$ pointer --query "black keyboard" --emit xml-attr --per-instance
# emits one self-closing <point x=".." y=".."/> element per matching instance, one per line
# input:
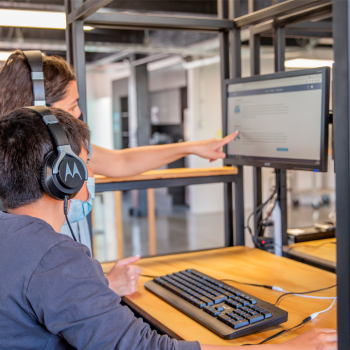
<point x="227" y="311"/>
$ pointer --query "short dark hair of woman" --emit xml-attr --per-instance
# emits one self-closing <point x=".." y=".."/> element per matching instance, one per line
<point x="24" y="142"/>
<point x="16" y="84"/>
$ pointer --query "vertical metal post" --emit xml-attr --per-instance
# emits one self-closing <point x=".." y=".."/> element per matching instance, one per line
<point x="341" y="124"/>
<point x="281" y="175"/>
<point x="69" y="39"/>
<point x="223" y="12"/>
<point x="236" y="72"/>
<point x="75" y="39"/>
<point x="235" y="40"/>
<point x="254" y="46"/>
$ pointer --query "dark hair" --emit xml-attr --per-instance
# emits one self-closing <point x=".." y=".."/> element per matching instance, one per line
<point x="24" y="142"/>
<point x="16" y="84"/>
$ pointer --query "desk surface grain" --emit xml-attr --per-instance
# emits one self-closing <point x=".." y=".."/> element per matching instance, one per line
<point x="245" y="265"/>
<point x="170" y="174"/>
<point x="322" y="253"/>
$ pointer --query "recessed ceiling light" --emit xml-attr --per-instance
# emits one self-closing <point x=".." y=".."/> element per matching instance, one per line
<point x="32" y="19"/>
<point x="88" y="28"/>
<point x="308" y="63"/>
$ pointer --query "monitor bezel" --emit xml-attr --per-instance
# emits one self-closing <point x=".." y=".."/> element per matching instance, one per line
<point x="280" y="163"/>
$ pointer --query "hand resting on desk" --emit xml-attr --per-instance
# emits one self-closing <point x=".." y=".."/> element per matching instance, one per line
<point x="315" y="339"/>
<point x="124" y="277"/>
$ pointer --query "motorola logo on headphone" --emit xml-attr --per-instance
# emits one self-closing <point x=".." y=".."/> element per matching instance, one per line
<point x="71" y="172"/>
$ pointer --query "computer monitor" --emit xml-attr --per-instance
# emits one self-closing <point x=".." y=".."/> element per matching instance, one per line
<point x="282" y="119"/>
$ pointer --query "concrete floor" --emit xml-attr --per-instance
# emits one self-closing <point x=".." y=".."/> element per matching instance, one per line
<point x="180" y="231"/>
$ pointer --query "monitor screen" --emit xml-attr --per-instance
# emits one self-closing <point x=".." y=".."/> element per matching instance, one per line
<point x="282" y="119"/>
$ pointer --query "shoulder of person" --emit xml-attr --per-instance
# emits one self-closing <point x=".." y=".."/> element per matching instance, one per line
<point x="27" y="234"/>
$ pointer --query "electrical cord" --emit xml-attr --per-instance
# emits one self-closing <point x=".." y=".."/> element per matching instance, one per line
<point x="279" y="289"/>
<point x="249" y="284"/>
<point x="149" y="276"/>
<point x="65" y="209"/>
<point x="305" y="320"/>
<point x="258" y="210"/>
<point x="302" y="294"/>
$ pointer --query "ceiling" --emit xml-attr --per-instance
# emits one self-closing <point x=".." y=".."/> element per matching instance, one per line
<point x="137" y="41"/>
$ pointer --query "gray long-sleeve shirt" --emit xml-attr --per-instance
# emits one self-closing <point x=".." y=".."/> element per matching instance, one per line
<point x="53" y="295"/>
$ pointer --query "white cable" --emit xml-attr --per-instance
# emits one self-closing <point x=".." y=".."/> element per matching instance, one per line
<point x="279" y="289"/>
<point x="315" y="314"/>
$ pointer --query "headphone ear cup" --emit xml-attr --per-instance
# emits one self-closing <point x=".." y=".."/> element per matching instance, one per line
<point x="43" y="174"/>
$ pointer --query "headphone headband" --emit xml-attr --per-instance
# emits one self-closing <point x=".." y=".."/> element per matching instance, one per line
<point x="35" y="61"/>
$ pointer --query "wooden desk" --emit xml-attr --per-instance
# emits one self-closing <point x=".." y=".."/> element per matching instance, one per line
<point x="246" y="265"/>
<point x="179" y="177"/>
<point x="320" y="253"/>
<point x="163" y="174"/>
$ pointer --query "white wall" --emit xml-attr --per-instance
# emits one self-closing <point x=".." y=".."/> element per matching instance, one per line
<point x="204" y="122"/>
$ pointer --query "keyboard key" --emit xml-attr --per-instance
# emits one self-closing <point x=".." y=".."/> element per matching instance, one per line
<point x="215" y="313"/>
<point x="200" y="304"/>
<point x="239" y="312"/>
<point x="232" y="314"/>
<point x="208" y="301"/>
<point x="219" y="299"/>
<point x="253" y="313"/>
<point x="266" y="314"/>
<point x="238" y="324"/>
<point x="237" y="305"/>
<point x="238" y="318"/>
<point x="219" y="308"/>
<point x="174" y="289"/>
<point x="223" y="317"/>
<point x="254" y="319"/>
<point x="246" y="315"/>
<point x="256" y="308"/>
<point x="229" y="295"/>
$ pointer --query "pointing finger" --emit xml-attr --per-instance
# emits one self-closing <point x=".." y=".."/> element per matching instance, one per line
<point x="128" y="261"/>
<point x="228" y="138"/>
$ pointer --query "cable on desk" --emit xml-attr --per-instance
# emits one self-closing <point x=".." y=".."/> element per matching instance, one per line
<point x="305" y="320"/>
<point x="142" y="275"/>
<point x="302" y="293"/>
<point x="249" y="284"/>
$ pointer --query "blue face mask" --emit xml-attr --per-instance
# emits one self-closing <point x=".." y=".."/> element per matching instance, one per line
<point x="78" y="209"/>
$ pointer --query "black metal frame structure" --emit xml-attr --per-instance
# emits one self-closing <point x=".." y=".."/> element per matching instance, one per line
<point x="279" y="20"/>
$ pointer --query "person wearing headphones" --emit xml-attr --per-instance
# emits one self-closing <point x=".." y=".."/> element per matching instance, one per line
<point x="16" y="90"/>
<point x="53" y="295"/>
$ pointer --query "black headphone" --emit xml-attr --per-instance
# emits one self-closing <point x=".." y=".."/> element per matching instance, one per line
<point x="63" y="173"/>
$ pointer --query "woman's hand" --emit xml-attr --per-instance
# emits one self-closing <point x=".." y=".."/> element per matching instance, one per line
<point x="315" y="339"/>
<point x="123" y="277"/>
<point x="211" y="149"/>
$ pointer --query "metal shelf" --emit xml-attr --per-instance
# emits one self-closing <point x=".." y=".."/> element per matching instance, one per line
<point x="146" y="21"/>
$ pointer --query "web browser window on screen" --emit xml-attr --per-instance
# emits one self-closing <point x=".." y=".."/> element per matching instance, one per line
<point x="277" y="118"/>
